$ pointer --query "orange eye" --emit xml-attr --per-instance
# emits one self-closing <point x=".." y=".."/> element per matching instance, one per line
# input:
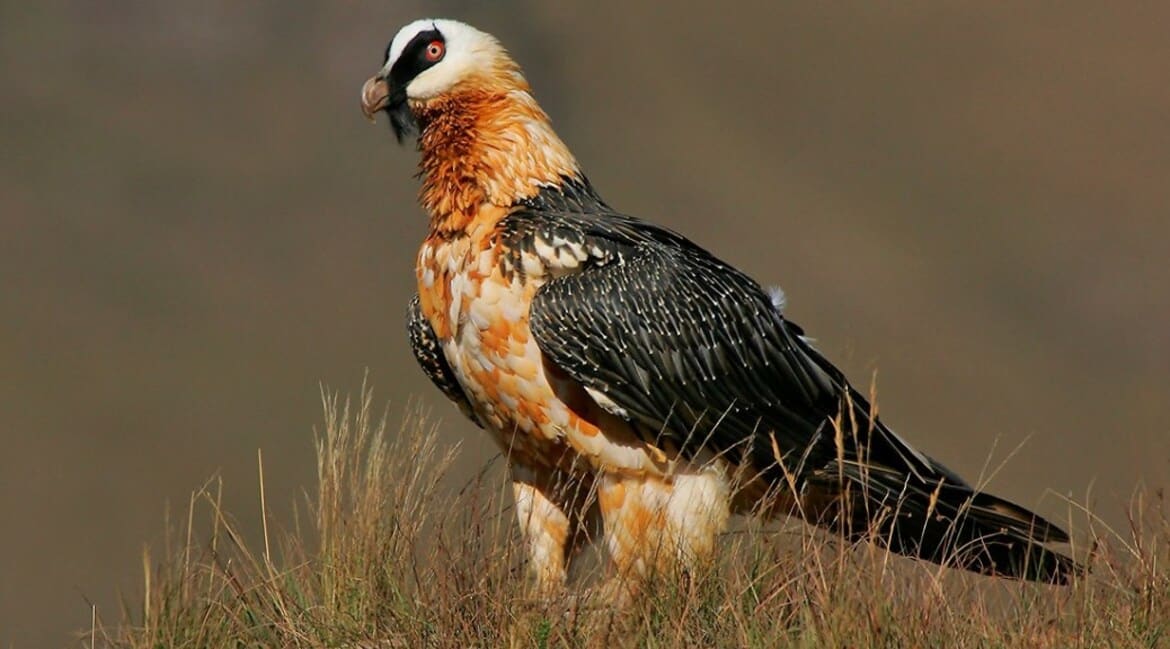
<point x="434" y="51"/>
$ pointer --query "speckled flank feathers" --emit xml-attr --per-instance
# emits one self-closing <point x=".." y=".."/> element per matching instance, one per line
<point x="635" y="381"/>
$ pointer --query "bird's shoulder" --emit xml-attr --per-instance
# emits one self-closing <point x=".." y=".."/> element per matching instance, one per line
<point x="571" y="219"/>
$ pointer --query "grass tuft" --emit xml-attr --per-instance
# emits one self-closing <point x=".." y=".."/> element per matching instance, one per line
<point x="390" y="556"/>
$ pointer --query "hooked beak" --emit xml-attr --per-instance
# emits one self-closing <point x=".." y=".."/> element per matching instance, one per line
<point x="375" y="96"/>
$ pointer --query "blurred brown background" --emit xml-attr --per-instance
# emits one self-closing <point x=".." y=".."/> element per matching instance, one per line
<point x="198" y="227"/>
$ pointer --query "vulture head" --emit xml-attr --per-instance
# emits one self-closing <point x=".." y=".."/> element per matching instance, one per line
<point x="434" y="62"/>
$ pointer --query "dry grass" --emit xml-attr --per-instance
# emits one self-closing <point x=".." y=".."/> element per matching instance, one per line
<point x="388" y="558"/>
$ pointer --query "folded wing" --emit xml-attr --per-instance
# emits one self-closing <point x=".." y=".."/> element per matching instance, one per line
<point x="695" y="354"/>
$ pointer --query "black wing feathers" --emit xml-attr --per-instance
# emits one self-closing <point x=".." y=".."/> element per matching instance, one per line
<point x="681" y="340"/>
<point x="692" y="350"/>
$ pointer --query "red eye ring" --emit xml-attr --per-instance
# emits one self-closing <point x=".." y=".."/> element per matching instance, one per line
<point x="434" y="51"/>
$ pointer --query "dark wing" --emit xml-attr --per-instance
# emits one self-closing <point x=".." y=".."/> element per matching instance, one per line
<point x="694" y="353"/>
<point x="680" y="341"/>
<point x="429" y="354"/>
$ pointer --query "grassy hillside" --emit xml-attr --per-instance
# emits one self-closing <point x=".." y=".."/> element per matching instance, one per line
<point x="382" y="556"/>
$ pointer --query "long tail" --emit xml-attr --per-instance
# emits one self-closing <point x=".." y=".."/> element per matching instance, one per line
<point x="945" y="523"/>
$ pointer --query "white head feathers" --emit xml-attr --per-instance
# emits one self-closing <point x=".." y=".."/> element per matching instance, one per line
<point x="466" y="49"/>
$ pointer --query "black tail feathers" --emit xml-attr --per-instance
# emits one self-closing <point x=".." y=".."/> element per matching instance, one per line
<point x="948" y="524"/>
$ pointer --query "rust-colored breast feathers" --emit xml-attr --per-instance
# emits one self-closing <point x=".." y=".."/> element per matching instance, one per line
<point x="480" y="312"/>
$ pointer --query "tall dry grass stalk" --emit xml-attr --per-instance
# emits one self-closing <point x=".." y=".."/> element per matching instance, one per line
<point x="393" y="556"/>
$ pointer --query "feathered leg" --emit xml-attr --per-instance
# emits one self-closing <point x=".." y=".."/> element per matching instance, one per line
<point x="654" y="524"/>
<point x="552" y="516"/>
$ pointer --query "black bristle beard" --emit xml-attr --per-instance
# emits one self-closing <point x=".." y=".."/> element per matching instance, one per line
<point x="403" y="121"/>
